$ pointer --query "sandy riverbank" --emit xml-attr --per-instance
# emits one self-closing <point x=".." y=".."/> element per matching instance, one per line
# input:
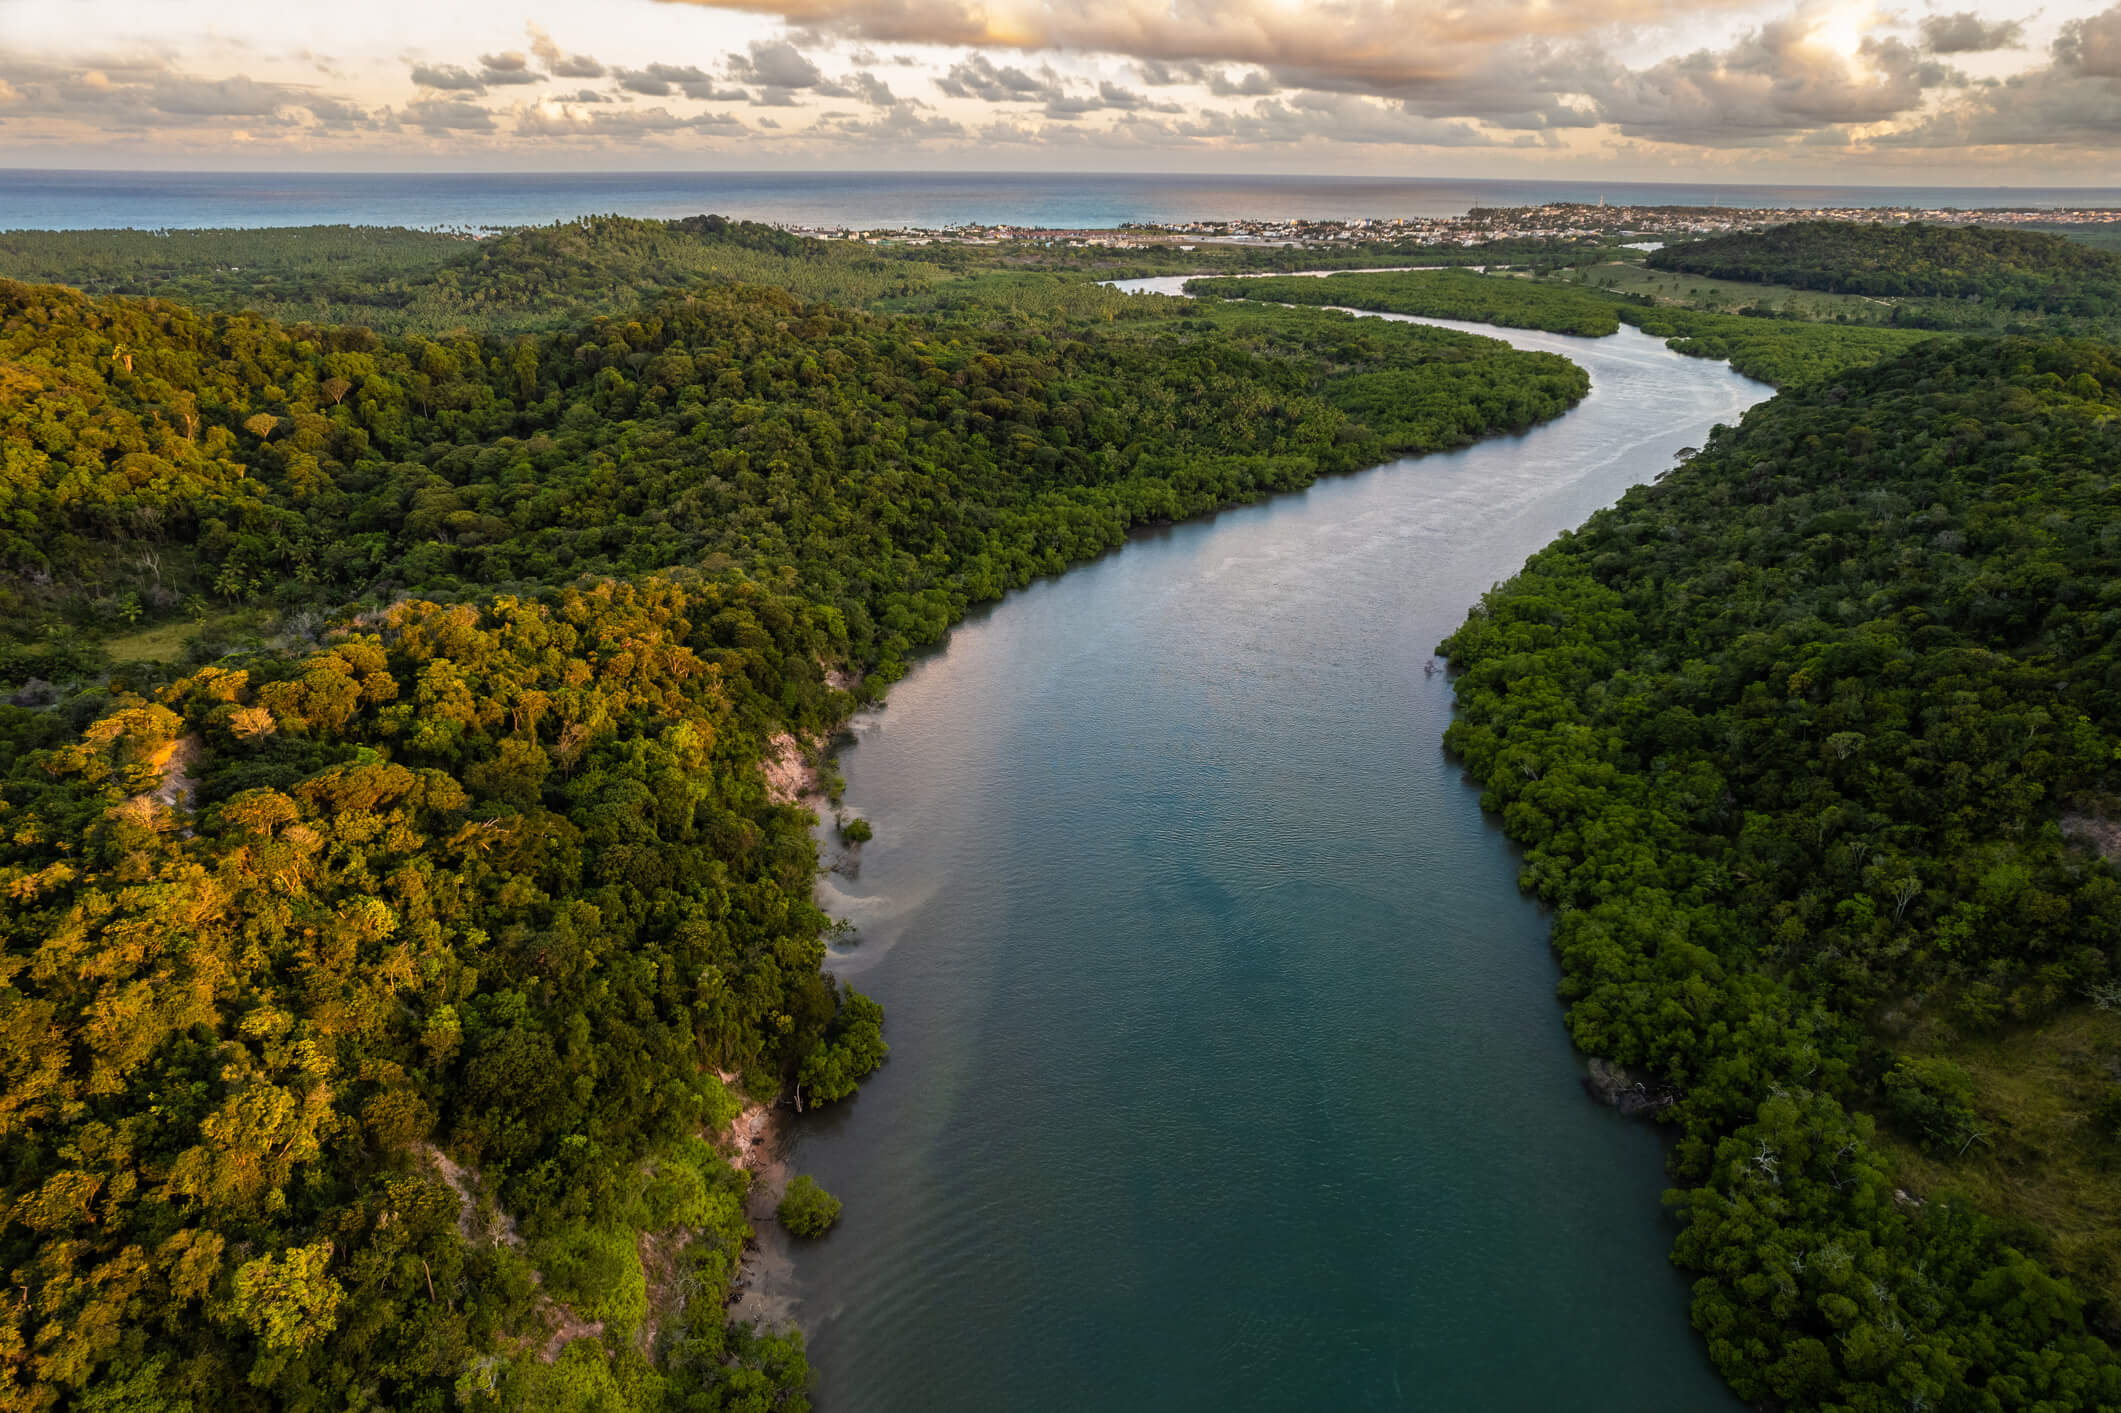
<point x="764" y="1290"/>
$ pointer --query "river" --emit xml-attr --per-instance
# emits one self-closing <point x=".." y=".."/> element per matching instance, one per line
<point x="1226" y="1070"/>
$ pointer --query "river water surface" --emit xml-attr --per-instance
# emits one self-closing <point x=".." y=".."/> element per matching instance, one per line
<point x="1226" y="1067"/>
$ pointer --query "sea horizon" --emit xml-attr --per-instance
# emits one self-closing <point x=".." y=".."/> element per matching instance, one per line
<point x="94" y="199"/>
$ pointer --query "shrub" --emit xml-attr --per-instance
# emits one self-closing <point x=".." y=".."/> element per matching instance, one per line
<point x="807" y="1209"/>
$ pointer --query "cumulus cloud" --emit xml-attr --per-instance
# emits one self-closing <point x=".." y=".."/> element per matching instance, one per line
<point x="1253" y="84"/>
<point x="143" y="94"/>
<point x="447" y="115"/>
<point x="330" y="110"/>
<point x="2091" y="48"/>
<point x="1777" y="81"/>
<point x="560" y="120"/>
<point x="1967" y="33"/>
<point x="2073" y="100"/>
<point x="774" y="64"/>
<point x="1785" y="76"/>
<point x="1158" y="74"/>
<point x="1318" y="116"/>
<point x="1381" y="45"/>
<point x="559" y="64"/>
<point x="872" y="90"/>
<point x="978" y="77"/>
<point x="502" y="70"/>
<point x="237" y="97"/>
<point x="447" y="78"/>
<point x="900" y="124"/>
<point x="663" y="80"/>
<point x="1125" y="100"/>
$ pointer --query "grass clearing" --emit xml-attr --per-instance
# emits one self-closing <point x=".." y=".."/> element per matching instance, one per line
<point x="1729" y="296"/>
<point x="2045" y="1165"/>
<point x="167" y="641"/>
<point x="158" y="642"/>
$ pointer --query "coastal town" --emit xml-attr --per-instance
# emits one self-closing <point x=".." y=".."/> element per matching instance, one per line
<point x="1559" y="220"/>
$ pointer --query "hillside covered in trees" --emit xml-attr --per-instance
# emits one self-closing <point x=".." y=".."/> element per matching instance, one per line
<point x="374" y="986"/>
<point x="2002" y="268"/>
<point x="157" y="455"/>
<point x="1809" y="745"/>
<point x="372" y="995"/>
<point x="537" y="279"/>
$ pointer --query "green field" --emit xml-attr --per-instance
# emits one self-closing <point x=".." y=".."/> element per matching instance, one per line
<point x="1729" y="296"/>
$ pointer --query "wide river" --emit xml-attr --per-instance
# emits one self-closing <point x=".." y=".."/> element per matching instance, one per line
<point x="1226" y="1066"/>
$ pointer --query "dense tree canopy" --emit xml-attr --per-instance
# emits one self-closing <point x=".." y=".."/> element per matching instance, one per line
<point x="1777" y="351"/>
<point x="370" y="1000"/>
<point x="1784" y="352"/>
<point x="159" y="453"/>
<point x="371" y="995"/>
<point x="535" y="279"/>
<point x="2006" y="268"/>
<point x="1787" y="739"/>
<point x="1436" y="294"/>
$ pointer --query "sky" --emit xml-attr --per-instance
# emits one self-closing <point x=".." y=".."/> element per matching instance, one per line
<point x="1846" y="91"/>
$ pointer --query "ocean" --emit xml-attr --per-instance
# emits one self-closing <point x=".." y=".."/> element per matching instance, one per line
<point x="82" y="200"/>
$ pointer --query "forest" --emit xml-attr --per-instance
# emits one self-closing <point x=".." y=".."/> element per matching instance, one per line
<point x="387" y="947"/>
<point x="375" y="988"/>
<point x="1774" y="350"/>
<point x="538" y="279"/>
<point x="2002" y="268"/>
<point x="1811" y="747"/>
<point x="1436" y="294"/>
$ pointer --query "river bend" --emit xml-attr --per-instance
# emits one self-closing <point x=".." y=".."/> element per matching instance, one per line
<point x="1226" y="1067"/>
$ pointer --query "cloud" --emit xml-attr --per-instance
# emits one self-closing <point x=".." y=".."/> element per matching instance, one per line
<point x="1158" y="74"/>
<point x="2092" y="48"/>
<point x="560" y="120"/>
<point x="1379" y="46"/>
<point x="1967" y="33"/>
<point x="140" y="94"/>
<point x="507" y="68"/>
<point x="1315" y="116"/>
<point x="977" y="77"/>
<point x="447" y="78"/>
<point x="662" y="80"/>
<point x="775" y="64"/>
<point x="331" y="110"/>
<point x="447" y="115"/>
<point x="558" y="64"/>
<point x="1775" y="82"/>
<point x="872" y="90"/>
<point x="237" y="97"/>
<point x="2074" y="100"/>
<point x="1125" y="100"/>
<point x="900" y="124"/>
<point x="1255" y="84"/>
